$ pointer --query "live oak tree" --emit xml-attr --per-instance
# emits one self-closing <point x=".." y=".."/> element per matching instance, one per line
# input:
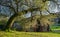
<point x="33" y="5"/>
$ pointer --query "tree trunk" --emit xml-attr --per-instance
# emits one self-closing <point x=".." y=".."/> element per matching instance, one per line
<point x="42" y="28"/>
<point x="10" y="21"/>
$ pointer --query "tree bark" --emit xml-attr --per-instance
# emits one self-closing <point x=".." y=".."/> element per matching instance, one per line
<point x="10" y="22"/>
<point x="42" y="28"/>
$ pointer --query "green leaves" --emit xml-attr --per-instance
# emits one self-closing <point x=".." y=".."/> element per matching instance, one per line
<point x="42" y="5"/>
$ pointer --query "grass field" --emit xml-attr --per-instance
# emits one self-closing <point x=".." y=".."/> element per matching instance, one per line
<point x="55" y="27"/>
<point x="54" y="33"/>
<point x="28" y="34"/>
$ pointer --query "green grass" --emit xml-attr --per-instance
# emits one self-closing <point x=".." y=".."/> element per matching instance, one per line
<point x="55" y="27"/>
<point x="28" y="34"/>
<point x="31" y="34"/>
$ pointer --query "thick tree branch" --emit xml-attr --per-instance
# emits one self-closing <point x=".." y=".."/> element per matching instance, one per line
<point x="48" y="11"/>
